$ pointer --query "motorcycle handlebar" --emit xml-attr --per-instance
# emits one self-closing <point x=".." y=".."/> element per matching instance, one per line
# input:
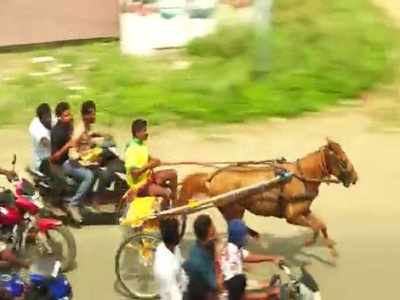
<point x="284" y="266"/>
<point x="14" y="161"/>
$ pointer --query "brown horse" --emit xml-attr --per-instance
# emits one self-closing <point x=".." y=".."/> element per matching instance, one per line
<point x="291" y="200"/>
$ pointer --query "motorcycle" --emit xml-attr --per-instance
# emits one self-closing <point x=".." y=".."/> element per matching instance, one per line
<point x="24" y="230"/>
<point x="108" y="199"/>
<point x="37" y="286"/>
<point x="297" y="288"/>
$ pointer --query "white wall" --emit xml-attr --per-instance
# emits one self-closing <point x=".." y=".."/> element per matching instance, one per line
<point x="141" y="35"/>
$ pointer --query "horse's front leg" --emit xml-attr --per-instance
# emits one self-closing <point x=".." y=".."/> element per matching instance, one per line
<point x="323" y="228"/>
<point x="302" y="220"/>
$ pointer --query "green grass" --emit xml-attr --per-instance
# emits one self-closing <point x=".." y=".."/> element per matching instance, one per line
<point x="320" y="52"/>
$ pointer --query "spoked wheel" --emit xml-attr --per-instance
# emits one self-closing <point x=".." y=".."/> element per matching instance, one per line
<point x="134" y="265"/>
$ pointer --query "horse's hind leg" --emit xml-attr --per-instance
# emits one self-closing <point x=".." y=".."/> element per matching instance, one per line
<point x="316" y="225"/>
<point x="236" y="211"/>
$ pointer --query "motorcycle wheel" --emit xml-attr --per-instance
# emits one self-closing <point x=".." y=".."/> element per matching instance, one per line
<point x="64" y="247"/>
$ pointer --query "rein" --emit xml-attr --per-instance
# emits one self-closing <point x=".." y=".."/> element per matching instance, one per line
<point x="269" y="163"/>
<point x="326" y="177"/>
<point x="214" y="164"/>
<point x="229" y="164"/>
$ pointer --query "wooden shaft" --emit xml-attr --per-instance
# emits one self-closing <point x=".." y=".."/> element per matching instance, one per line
<point x="225" y="198"/>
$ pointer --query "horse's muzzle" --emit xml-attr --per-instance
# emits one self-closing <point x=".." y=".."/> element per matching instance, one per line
<point x="355" y="177"/>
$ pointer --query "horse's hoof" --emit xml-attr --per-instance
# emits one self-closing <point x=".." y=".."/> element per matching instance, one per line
<point x="333" y="252"/>
<point x="330" y="243"/>
<point x="309" y="243"/>
<point x="254" y="234"/>
<point x="255" y="237"/>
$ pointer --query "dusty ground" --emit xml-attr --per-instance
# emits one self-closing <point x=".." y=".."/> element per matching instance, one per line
<point x="364" y="220"/>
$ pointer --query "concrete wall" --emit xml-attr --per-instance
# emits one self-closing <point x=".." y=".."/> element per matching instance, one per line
<point x="39" y="21"/>
<point x="141" y="35"/>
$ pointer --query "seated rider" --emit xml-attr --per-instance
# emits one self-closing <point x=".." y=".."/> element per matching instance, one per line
<point x="88" y="115"/>
<point x="91" y="150"/>
<point x="83" y="136"/>
<point x="39" y="130"/>
<point x="61" y="142"/>
<point x="232" y="260"/>
<point x="139" y="168"/>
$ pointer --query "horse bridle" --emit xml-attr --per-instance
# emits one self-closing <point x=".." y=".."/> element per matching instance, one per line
<point x="326" y="174"/>
<point x="344" y="172"/>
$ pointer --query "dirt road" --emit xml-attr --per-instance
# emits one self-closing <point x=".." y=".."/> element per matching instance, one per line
<point x="362" y="219"/>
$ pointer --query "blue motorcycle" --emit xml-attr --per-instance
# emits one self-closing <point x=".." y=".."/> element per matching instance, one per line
<point x="39" y="287"/>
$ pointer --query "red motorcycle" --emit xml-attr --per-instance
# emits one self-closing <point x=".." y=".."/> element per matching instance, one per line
<point x="29" y="234"/>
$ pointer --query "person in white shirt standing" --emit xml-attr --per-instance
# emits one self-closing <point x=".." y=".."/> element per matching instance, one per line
<point x="233" y="257"/>
<point x="168" y="260"/>
<point x="39" y="130"/>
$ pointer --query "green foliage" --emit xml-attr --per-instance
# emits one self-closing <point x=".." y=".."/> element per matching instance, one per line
<point x="317" y="52"/>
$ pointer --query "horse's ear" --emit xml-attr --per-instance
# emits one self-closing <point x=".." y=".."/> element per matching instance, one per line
<point x="329" y="142"/>
<point x="332" y="145"/>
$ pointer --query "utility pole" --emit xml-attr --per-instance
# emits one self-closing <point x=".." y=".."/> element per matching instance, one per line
<point x="262" y="22"/>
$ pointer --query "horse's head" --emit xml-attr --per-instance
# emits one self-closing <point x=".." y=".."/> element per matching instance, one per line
<point x="339" y="164"/>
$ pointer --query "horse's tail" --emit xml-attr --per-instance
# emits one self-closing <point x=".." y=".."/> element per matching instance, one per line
<point x="193" y="185"/>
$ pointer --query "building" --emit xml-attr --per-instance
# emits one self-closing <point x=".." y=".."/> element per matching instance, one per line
<point x="24" y="22"/>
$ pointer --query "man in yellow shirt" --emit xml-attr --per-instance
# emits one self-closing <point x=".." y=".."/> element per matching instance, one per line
<point x="139" y="167"/>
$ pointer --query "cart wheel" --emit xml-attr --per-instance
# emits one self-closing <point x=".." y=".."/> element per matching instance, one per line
<point x="134" y="265"/>
<point x="120" y="210"/>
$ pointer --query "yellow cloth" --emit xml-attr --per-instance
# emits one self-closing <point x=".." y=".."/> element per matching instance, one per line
<point x="139" y="210"/>
<point x="136" y="156"/>
<point x="91" y="155"/>
<point x="87" y="157"/>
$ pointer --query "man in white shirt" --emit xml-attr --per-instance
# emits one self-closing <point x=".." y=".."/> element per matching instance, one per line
<point x="39" y="130"/>
<point x="234" y="256"/>
<point x="168" y="269"/>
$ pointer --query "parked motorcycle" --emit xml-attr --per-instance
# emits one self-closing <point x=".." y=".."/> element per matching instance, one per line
<point x="26" y="232"/>
<point x="54" y="286"/>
